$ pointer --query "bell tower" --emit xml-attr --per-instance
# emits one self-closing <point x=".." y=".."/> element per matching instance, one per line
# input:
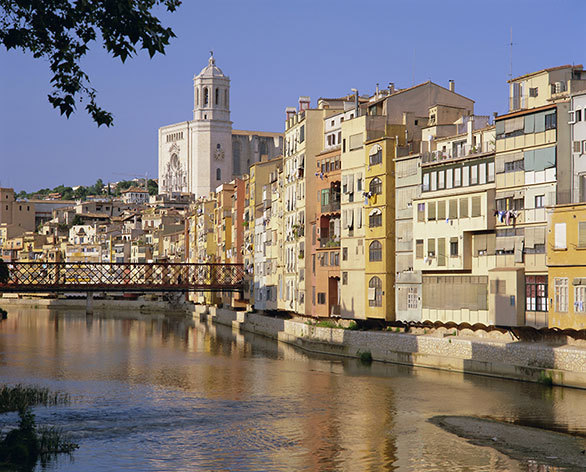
<point x="211" y="130"/>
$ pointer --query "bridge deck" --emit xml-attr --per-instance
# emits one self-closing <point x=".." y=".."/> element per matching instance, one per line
<point x="122" y="277"/>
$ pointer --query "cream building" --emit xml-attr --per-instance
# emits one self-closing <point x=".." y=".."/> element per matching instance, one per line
<point x="198" y="155"/>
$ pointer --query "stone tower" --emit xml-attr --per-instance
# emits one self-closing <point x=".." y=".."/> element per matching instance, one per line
<point x="211" y="130"/>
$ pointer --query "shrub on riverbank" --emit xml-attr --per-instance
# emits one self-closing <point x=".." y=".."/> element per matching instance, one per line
<point x="25" y="445"/>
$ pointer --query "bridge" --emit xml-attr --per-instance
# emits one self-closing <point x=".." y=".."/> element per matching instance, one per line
<point x="35" y="277"/>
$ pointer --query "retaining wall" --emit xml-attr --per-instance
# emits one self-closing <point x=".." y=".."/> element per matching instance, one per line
<point x="534" y="362"/>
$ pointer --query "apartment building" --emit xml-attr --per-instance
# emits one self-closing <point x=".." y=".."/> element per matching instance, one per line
<point x="325" y="229"/>
<point x="453" y="223"/>
<point x="566" y="242"/>
<point x="533" y="170"/>
<point x="577" y="122"/>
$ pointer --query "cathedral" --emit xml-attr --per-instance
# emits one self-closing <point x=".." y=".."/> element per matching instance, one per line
<point x="198" y="155"/>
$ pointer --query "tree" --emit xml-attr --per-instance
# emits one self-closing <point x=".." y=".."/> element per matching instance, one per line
<point x="60" y="31"/>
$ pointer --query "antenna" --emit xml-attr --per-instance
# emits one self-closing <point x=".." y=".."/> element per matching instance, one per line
<point x="511" y="56"/>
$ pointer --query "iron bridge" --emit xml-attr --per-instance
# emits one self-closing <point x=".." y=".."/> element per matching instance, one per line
<point x="122" y="277"/>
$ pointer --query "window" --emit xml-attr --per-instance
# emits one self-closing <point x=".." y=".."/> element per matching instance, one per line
<point x="449" y="178"/>
<point x="376" y="186"/>
<point x="425" y="186"/>
<point x="205" y="96"/>
<point x="482" y="173"/>
<point x="453" y="209"/>
<point x="344" y="253"/>
<point x="560" y="236"/>
<point x="375" y="155"/>
<point x="514" y="166"/>
<point x="551" y="121"/>
<point x="580" y="299"/>
<point x="431" y="211"/>
<point x="536" y="293"/>
<point x="473" y="175"/>
<point x="412" y="298"/>
<point x="421" y="212"/>
<point x="344" y="278"/>
<point x="358" y="181"/>
<point x="375" y="292"/>
<point x="458" y="177"/>
<point x="476" y="207"/>
<point x="375" y="251"/>
<point x="441" y="210"/>
<point x="464" y="207"/>
<point x="453" y="247"/>
<point x="465" y="176"/>
<point x="578" y="115"/>
<point x="375" y="218"/>
<point x="325" y="197"/>
<point x="533" y="91"/>
<point x="433" y="177"/>
<point x="441" y="179"/>
<point x="561" y="294"/>
<point x="491" y="172"/>
<point x="582" y="234"/>
<point x="321" y="298"/>
<point x="419" y="249"/>
<point x="431" y="247"/>
<point x="217" y="97"/>
<point x="218" y="174"/>
<point x="539" y="201"/>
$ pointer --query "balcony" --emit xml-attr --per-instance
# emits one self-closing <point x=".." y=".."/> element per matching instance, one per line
<point x="330" y="207"/>
<point x="457" y="153"/>
<point x="329" y="242"/>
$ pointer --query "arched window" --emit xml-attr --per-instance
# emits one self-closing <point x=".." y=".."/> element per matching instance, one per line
<point x="375" y="218"/>
<point x="217" y="97"/>
<point x="196" y="97"/>
<point x="218" y="174"/>
<point x="376" y="155"/>
<point x="376" y="186"/>
<point x="375" y="251"/>
<point x="375" y="292"/>
<point x="206" y="97"/>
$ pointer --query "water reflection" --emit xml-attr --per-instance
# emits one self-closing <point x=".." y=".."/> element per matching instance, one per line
<point x="153" y="393"/>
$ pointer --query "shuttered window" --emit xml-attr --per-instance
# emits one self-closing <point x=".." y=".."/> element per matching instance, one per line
<point x="355" y="141"/>
<point x="560" y="236"/>
<point x="441" y="210"/>
<point x="419" y="249"/>
<point x="464" y="207"/>
<point x="431" y="247"/>
<point x="441" y="252"/>
<point x="438" y="292"/>
<point x="431" y="211"/>
<point x="453" y="214"/>
<point x="582" y="234"/>
<point x="476" y="208"/>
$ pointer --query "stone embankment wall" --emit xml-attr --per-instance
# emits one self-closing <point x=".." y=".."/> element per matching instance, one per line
<point x="536" y="362"/>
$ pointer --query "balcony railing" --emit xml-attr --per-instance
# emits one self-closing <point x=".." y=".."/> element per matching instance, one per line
<point x="463" y="151"/>
<point x="329" y="207"/>
<point x="329" y="242"/>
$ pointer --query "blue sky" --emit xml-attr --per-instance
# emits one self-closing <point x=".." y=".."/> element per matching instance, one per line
<point x="273" y="52"/>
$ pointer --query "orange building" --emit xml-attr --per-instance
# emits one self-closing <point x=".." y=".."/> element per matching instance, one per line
<point x="325" y="236"/>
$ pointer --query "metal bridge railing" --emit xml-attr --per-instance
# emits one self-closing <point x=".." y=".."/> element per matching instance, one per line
<point x="85" y="276"/>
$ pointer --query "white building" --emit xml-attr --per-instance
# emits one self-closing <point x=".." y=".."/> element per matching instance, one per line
<point x="577" y="122"/>
<point x="198" y="155"/>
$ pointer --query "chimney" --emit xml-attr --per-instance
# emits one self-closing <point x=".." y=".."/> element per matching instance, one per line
<point x="290" y="112"/>
<point x="391" y="88"/>
<point x="304" y="103"/>
<point x="377" y="90"/>
<point x="452" y="86"/>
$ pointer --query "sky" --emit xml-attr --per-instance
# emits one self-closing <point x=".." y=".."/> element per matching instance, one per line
<point x="273" y="52"/>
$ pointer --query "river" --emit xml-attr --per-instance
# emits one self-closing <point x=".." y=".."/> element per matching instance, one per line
<point x="158" y="394"/>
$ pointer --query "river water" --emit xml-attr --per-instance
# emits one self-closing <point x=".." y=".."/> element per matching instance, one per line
<point x="156" y="394"/>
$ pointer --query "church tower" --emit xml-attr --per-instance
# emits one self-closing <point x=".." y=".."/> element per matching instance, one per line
<point x="211" y="130"/>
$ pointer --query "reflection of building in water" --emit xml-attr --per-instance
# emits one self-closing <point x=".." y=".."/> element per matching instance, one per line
<point x="197" y="156"/>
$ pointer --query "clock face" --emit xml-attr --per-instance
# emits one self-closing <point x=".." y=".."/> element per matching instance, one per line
<point x="219" y="154"/>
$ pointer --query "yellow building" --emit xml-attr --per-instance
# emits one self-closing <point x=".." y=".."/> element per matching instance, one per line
<point x="379" y="215"/>
<point x="566" y="261"/>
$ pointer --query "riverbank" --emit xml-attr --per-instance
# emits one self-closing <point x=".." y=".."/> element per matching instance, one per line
<point x="101" y="304"/>
<point x="562" y="365"/>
